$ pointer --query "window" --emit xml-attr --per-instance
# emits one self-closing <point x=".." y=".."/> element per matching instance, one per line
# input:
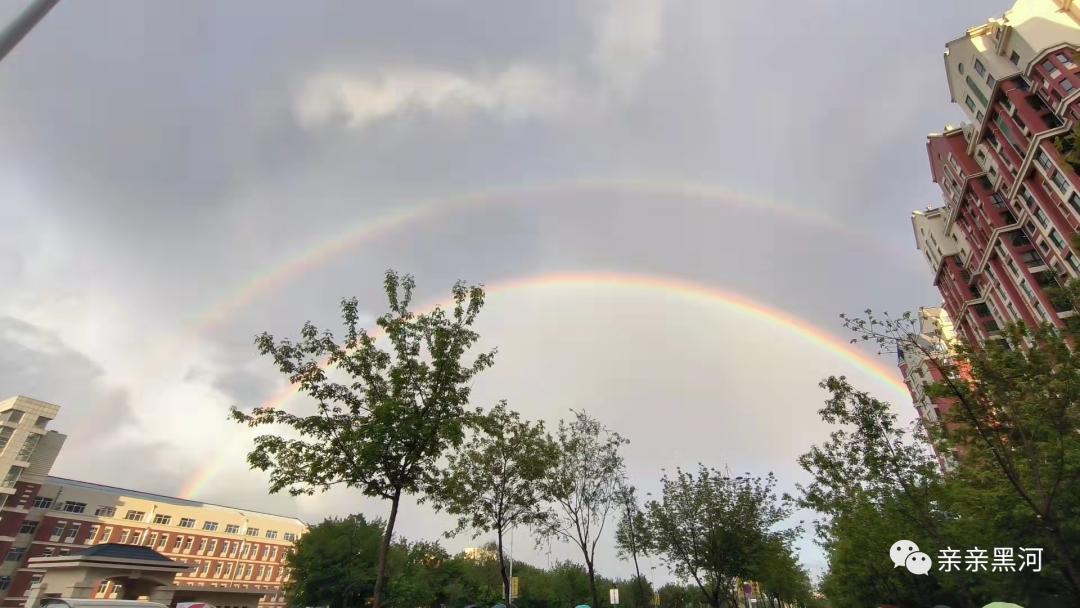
<point x="228" y="569"/>
<point x="72" y="532"/>
<point x="1064" y="59"/>
<point x="271" y="534"/>
<point x="289" y="536"/>
<point x="107" y="535"/>
<point x="210" y="526"/>
<point x="252" y="532"/>
<point x="1073" y="262"/>
<point x="187" y="522"/>
<point x="266" y="551"/>
<point x="103" y="587"/>
<point x="217" y="569"/>
<point x="132" y="515"/>
<point x="92" y="533"/>
<point x="124" y="536"/>
<point x="213" y="545"/>
<point x="1068" y="86"/>
<point x="105" y="511"/>
<point x="232" y="529"/>
<point x="250" y="569"/>
<point x="15" y="554"/>
<point x="13" y="475"/>
<point x="58" y="531"/>
<point x="164" y="541"/>
<point x="74" y="507"/>
<point x="1060" y="181"/>
<point x="1015" y="58"/>
<point x="42" y="421"/>
<point x="205" y="568"/>
<point x="28" y="527"/>
<point x="969" y="102"/>
<point x="135" y="538"/>
<point x="990" y="81"/>
<point x="36" y="578"/>
<point x="48" y="551"/>
<point x="260" y="571"/>
<point x="1041" y="216"/>
<point x="14" y="416"/>
<point x="151" y="541"/>
<point x="273" y="554"/>
<point x="5" y="582"/>
<point x="5" y="436"/>
<point x="28" y="447"/>
<point x="162" y="519"/>
<point x="979" y="68"/>
<point x="247" y="550"/>
<point x="187" y="543"/>
<point x="179" y="541"/>
<point x="202" y="545"/>
<point x="1054" y="236"/>
<point x="1051" y="69"/>
<point x="1043" y="159"/>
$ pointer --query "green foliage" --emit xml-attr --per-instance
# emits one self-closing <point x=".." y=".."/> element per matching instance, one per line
<point x="713" y="529"/>
<point x="334" y="563"/>
<point x="495" y="482"/>
<point x="383" y="429"/>
<point x="584" y="486"/>
<point x="1067" y="145"/>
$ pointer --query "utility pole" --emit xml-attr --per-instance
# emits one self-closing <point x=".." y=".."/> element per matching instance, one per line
<point x="21" y="26"/>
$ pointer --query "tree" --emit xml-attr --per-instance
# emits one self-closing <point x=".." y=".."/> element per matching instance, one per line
<point x="333" y="564"/>
<point x="583" y="485"/>
<point x="782" y="579"/>
<point x="384" y="429"/>
<point x="495" y="483"/>
<point x="631" y="538"/>
<point x="713" y="529"/>
<point x="1013" y="421"/>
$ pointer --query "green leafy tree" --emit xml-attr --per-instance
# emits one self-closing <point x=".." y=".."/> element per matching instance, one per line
<point x="782" y="579"/>
<point x="632" y="539"/>
<point x="495" y="482"/>
<point x="1013" y="423"/>
<point x="384" y="428"/>
<point x="334" y="563"/>
<point x="713" y="529"/>
<point x="583" y="486"/>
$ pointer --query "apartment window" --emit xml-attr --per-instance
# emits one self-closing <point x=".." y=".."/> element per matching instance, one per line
<point x="1051" y="69"/>
<point x="74" y="507"/>
<point x="162" y="519"/>
<point x="1054" y="236"/>
<point x="225" y="547"/>
<point x="133" y="515"/>
<point x="1073" y="262"/>
<point x="12" y="477"/>
<point x="1044" y="160"/>
<point x="260" y="571"/>
<point x="136" y="537"/>
<point x="250" y="569"/>
<point x="273" y="554"/>
<point x="72" y="532"/>
<point x="124" y="536"/>
<point x="213" y="545"/>
<point x="247" y="551"/>
<point x="151" y="541"/>
<point x="179" y="541"/>
<point x="1015" y="58"/>
<point x="5" y="582"/>
<point x="105" y="511"/>
<point x="289" y="536"/>
<point x="103" y="587"/>
<point x="1041" y="216"/>
<point x="969" y="102"/>
<point x="232" y="529"/>
<point x="228" y="569"/>
<point x="164" y="541"/>
<point x="205" y="568"/>
<point x="202" y="545"/>
<point x="1060" y="181"/>
<point x="217" y="569"/>
<point x="990" y="81"/>
<point x="5" y="436"/>
<point x="1065" y="60"/>
<point x="28" y="527"/>
<point x="1068" y="86"/>
<point x="235" y="548"/>
<point x="979" y="68"/>
<point x="15" y="554"/>
<point x="107" y="535"/>
<point x="28" y="446"/>
<point x="210" y="526"/>
<point x="252" y="532"/>
<point x="266" y="551"/>
<point x="58" y="531"/>
<point x="269" y="572"/>
<point x="48" y="551"/>
<point x="187" y="543"/>
<point x="14" y="416"/>
<point x="271" y="534"/>
<point x="92" y="533"/>
<point x="187" y="522"/>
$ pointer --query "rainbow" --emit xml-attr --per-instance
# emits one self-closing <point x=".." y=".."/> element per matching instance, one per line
<point x="639" y="283"/>
<point x="370" y="229"/>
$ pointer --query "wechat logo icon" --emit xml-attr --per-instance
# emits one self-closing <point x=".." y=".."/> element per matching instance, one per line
<point x="906" y="553"/>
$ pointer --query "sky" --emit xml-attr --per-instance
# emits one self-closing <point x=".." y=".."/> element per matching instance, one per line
<point x="633" y="179"/>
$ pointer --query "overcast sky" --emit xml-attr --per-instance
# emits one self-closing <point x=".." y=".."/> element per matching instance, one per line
<point x="157" y="159"/>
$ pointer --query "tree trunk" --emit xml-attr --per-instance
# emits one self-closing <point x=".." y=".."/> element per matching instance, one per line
<point x="502" y="571"/>
<point x="384" y="551"/>
<point x="592" y="584"/>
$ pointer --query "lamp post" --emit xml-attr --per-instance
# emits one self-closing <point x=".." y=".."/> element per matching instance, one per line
<point x="21" y="26"/>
